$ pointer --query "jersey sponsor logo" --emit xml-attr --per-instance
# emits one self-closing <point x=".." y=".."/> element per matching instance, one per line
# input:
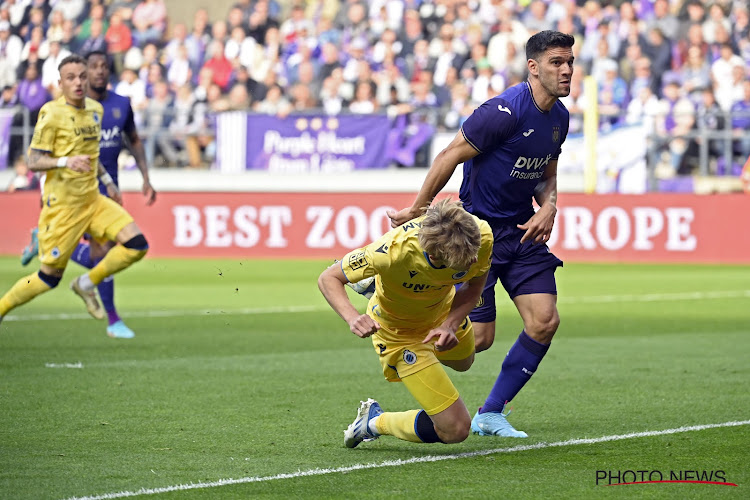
<point x="411" y="225"/>
<point x="528" y="132"/>
<point x="534" y="167"/>
<point x="383" y="248"/>
<point x="556" y="133"/>
<point x="502" y="108"/>
<point x="357" y="260"/>
<point x="421" y="287"/>
<point x="412" y="274"/>
<point x="459" y="275"/>
<point x="110" y="133"/>
<point x="409" y="357"/>
<point x="87" y="130"/>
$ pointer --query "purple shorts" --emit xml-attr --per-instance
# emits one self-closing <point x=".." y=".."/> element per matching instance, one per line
<point x="521" y="268"/>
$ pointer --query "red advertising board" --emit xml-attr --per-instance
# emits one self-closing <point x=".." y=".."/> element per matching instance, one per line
<point x="603" y="228"/>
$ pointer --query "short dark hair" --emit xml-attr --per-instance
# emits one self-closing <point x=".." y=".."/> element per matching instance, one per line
<point x="540" y="42"/>
<point x="71" y="59"/>
<point x="97" y="53"/>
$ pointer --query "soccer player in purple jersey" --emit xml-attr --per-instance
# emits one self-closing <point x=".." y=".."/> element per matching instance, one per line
<point x="509" y="147"/>
<point x="118" y="130"/>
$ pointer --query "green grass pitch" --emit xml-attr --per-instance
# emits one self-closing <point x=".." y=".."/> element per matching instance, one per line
<point x="239" y="370"/>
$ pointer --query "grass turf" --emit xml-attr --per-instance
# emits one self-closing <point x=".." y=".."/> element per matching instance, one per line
<point x="239" y="370"/>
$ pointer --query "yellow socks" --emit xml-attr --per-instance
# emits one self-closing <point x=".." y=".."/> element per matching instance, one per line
<point x="399" y="424"/>
<point x="117" y="259"/>
<point x="23" y="291"/>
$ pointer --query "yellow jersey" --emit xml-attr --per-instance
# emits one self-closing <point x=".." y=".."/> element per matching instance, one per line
<point x="65" y="130"/>
<point x="412" y="294"/>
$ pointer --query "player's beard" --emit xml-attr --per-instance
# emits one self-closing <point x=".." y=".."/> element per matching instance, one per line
<point x="99" y="90"/>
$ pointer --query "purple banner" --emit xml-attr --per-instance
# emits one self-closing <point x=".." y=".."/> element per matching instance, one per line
<point x="317" y="143"/>
<point x="6" y="121"/>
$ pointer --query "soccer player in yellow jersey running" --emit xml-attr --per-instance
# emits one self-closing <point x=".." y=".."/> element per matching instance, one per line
<point x="65" y="146"/>
<point x="417" y="319"/>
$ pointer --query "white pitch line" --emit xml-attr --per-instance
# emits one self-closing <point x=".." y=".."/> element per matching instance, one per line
<point x="64" y="365"/>
<point x="413" y="460"/>
<point x="593" y="299"/>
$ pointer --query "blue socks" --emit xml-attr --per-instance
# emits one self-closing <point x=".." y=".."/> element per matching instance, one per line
<point x="520" y="364"/>
<point x="82" y="256"/>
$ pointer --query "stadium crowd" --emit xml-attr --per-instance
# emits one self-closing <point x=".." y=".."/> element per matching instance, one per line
<point x="676" y="64"/>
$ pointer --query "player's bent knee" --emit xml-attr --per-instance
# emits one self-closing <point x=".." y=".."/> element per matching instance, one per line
<point x="457" y="432"/>
<point x="49" y="280"/>
<point x="137" y="242"/>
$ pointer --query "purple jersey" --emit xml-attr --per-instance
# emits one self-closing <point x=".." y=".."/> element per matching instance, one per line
<point x="118" y="120"/>
<point x="516" y="141"/>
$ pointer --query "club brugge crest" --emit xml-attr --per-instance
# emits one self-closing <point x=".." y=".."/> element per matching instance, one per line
<point x="409" y="357"/>
<point x="116" y="113"/>
<point x="96" y="117"/>
<point x="459" y="275"/>
<point x="556" y="133"/>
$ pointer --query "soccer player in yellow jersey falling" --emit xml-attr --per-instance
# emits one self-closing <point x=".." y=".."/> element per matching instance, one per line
<point x="417" y="319"/>
<point x="65" y="146"/>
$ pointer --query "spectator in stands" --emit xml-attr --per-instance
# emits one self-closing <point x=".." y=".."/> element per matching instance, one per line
<point x="70" y="9"/>
<point x="149" y="21"/>
<point x="157" y="117"/>
<point x="10" y="54"/>
<point x="364" y="99"/>
<point x="50" y="73"/>
<point x="411" y="31"/>
<point x="259" y="21"/>
<point x="36" y="18"/>
<point x="659" y="50"/>
<point x="741" y="123"/>
<point x="119" y="40"/>
<point x="221" y="68"/>
<point x="275" y="103"/>
<point x="741" y="26"/>
<point x="643" y="109"/>
<point x="133" y="87"/>
<point x="675" y="120"/>
<point x="31" y="92"/>
<point x="710" y="118"/>
<point x="695" y="74"/>
<point x="180" y="71"/>
<point x="23" y="179"/>
<point x="55" y="29"/>
<point x="96" y="41"/>
<point x="716" y="17"/>
<point x="721" y="72"/>
<point x="36" y="44"/>
<point x="97" y="13"/>
<point x="330" y="94"/>
<point x="664" y="20"/>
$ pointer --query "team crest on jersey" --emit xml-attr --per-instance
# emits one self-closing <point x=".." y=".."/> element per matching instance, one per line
<point x="409" y="357"/>
<point x="556" y="134"/>
<point x="96" y="117"/>
<point x="459" y="275"/>
<point x="55" y="253"/>
<point x="357" y="260"/>
<point x="481" y="301"/>
<point x="116" y="113"/>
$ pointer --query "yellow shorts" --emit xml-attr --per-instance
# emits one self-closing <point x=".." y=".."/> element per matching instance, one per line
<point x="401" y="354"/>
<point x="61" y="227"/>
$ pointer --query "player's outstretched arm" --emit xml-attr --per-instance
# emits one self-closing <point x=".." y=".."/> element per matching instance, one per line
<point x="135" y="147"/>
<point x="457" y="152"/>
<point x="539" y="227"/>
<point x="331" y="283"/>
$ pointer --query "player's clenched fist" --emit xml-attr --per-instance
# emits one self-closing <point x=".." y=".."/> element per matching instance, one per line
<point x="79" y="163"/>
<point x="363" y="326"/>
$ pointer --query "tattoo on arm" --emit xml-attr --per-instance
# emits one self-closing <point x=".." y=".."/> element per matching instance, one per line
<point x="41" y="161"/>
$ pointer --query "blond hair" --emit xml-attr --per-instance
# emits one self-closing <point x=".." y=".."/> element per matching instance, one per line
<point x="450" y="234"/>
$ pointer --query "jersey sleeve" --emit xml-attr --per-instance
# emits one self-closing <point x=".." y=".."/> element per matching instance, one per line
<point x="489" y="125"/>
<point x="45" y="131"/>
<point x="484" y="259"/>
<point x="367" y="261"/>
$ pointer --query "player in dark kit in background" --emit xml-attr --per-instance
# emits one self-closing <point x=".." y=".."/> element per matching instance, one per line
<point x="118" y="130"/>
<point x="509" y="147"/>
